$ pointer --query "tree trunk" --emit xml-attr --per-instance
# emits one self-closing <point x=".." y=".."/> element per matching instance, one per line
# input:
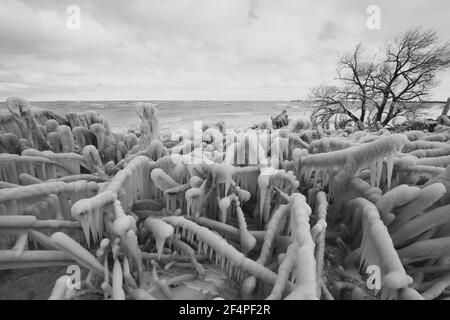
<point x="390" y="114"/>
<point x="382" y="106"/>
<point x="387" y="119"/>
<point x="379" y="115"/>
<point x="363" y="111"/>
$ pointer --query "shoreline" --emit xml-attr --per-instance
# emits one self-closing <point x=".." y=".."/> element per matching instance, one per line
<point x="237" y="115"/>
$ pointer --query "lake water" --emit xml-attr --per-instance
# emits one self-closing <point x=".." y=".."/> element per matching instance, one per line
<point x="182" y="114"/>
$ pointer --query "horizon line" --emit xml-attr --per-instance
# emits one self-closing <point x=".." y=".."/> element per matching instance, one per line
<point x="202" y="100"/>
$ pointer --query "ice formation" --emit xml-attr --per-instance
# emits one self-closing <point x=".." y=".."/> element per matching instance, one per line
<point x="266" y="207"/>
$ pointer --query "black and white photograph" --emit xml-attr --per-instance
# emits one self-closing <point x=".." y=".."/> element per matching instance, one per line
<point x="236" y="150"/>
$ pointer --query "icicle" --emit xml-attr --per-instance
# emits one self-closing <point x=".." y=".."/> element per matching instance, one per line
<point x="317" y="173"/>
<point x="222" y="263"/>
<point x="390" y="167"/>
<point x="160" y="230"/>
<point x="228" y="267"/>
<point x="263" y="183"/>
<point x="171" y="241"/>
<point x="373" y="173"/>
<point x="239" y="275"/>
<point x="379" y="171"/>
<point x="224" y="204"/>
<point x="247" y="240"/>
<point x="85" y="225"/>
<point x="99" y="213"/>
<point x="115" y="247"/>
<point x="118" y="293"/>
<point x="308" y="172"/>
<point x="91" y="220"/>
<point x="159" y="246"/>
<point x="199" y="248"/>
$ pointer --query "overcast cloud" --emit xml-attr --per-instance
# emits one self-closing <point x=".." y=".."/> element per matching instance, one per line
<point x="193" y="49"/>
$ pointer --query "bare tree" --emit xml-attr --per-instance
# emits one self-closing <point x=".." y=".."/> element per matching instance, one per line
<point x="379" y="90"/>
<point x="343" y="104"/>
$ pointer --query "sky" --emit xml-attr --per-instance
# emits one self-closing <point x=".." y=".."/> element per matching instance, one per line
<point x="194" y="49"/>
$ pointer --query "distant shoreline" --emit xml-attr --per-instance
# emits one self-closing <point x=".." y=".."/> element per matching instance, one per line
<point x="178" y="100"/>
<point x="182" y="114"/>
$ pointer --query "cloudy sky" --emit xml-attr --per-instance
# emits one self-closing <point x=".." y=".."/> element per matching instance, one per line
<point x="193" y="49"/>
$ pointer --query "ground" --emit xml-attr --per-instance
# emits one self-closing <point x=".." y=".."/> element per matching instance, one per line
<point x="37" y="283"/>
<point x="28" y="284"/>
